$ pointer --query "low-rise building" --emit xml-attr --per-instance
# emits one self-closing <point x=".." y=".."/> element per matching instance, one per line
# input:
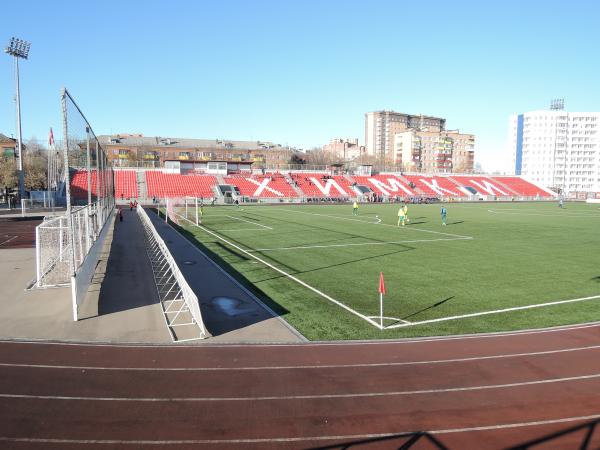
<point x="136" y="149"/>
<point x="7" y="146"/>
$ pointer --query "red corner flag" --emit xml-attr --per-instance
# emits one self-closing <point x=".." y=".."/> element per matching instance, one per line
<point x="381" y="284"/>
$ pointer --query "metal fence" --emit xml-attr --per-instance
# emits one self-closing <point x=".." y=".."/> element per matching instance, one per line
<point x="63" y="243"/>
<point x="179" y="302"/>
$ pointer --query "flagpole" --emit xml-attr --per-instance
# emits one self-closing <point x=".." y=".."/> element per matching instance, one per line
<point x="381" y="309"/>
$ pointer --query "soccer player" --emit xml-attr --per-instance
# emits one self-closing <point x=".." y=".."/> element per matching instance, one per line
<point x="401" y="216"/>
<point x="560" y="203"/>
<point x="355" y="208"/>
<point x="443" y="213"/>
<point x="405" y="208"/>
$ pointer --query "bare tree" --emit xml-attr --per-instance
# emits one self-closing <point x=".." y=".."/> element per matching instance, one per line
<point x="318" y="157"/>
<point x="8" y="173"/>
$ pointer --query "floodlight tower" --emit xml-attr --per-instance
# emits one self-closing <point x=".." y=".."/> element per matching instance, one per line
<point x="19" y="49"/>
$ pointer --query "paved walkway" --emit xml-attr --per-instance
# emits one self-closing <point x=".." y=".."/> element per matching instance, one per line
<point x="231" y="313"/>
<point x="124" y="295"/>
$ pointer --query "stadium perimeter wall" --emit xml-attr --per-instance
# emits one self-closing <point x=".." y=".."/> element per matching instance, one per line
<point x="82" y="279"/>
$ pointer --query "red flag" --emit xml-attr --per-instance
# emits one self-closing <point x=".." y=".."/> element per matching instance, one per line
<point x="381" y="284"/>
<point x="51" y="138"/>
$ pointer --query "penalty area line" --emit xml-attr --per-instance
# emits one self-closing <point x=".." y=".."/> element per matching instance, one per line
<point x="291" y="277"/>
<point x="495" y="311"/>
<point x="378" y="223"/>
<point x="249" y="221"/>
<point x="302" y="247"/>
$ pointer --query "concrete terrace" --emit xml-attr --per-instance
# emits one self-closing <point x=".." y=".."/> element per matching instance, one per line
<point x="122" y="305"/>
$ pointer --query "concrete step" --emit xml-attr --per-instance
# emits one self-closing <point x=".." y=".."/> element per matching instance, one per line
<point x="406" y="181"/>
<point x="293" y="185"/>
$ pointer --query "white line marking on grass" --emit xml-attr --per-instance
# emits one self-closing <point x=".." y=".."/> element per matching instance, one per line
<point x="341" y="437"/>
<point x="241" y="229"/>
<point x="300" y="247"/>
<point x="377" y="223"/>
<point x="548" y="214"/>
<point x="291" y="277"/>
<point x="496" y="311"/>
<point x="309" y="396"/>
<point x="296" y="367"/>
<point x="249" y="221"/>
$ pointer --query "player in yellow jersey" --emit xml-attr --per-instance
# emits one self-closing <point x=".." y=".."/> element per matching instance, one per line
<point x="355" y="209"/>
<point x="401" y="216"/>
<point x="405" y="208"/>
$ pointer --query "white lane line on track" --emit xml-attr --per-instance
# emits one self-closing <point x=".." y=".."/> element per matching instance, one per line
<point x="376" y="223"/>
<point x="295" y="367"/>
<point x="348" y="343"/>
<point x="301" y="247"/>
<point x="342" y="437"/>
<point x="8" y="240"/>
<point x="495" y="311"/>
<point x="291" y="277"/>
<point x="306" y="397"/>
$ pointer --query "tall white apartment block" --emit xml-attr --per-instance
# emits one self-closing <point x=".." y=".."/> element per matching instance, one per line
<point x="557" y="149"/>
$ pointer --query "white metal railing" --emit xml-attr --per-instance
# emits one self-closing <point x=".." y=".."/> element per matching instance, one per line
<point x="62" y="243"/>
<point x="178" y="300"/>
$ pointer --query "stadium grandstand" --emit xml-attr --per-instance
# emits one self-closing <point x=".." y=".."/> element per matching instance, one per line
<point x="148" y="184"/>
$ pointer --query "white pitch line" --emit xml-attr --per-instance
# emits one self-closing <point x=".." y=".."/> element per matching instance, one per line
<point x="305" y="367"/>
<point x="358" y="244"/>
<point x="495" y="311"/>
<point x="310" y="396"/>
<point x="549" y="214"/>
<point x="242" y="229"/>
<point x="291" y="277"/>
<point x="377" y="223"/>
<point x="342" y="437"/>
<point x="249" y="221"/>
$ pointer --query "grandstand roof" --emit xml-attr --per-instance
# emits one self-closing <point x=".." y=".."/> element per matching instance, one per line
<point x="174" y="142"/>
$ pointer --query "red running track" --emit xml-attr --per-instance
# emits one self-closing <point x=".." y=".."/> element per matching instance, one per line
<point x="18" y="232"/>
<point x="477" y="392"/>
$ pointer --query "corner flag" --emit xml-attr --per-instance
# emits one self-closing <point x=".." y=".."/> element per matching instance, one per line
<point x="381" y="284"/>
<point x="381" y="294"/>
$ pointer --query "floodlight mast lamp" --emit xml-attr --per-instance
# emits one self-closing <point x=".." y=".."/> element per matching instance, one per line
<point x="19" y="49"/>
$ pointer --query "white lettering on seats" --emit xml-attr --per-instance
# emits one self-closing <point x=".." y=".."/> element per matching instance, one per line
<point x="488" y="187"/>
<point x="392" y="186"/>
<point x="434" y="186"/>
<point x="262" y="186"/>
<point x="328" y="185"/>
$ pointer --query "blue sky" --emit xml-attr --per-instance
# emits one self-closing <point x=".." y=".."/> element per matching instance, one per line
<point x="303" y="72"/>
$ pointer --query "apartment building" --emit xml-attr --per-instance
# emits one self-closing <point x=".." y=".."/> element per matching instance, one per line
<point x="136" y="149"/>
<point x="557" y="149"/>
<point x="345" y="149"/>
<point x="418" y="143"/>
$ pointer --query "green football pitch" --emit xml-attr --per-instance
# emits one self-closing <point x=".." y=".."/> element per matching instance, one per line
<point x="494" y="267"/>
